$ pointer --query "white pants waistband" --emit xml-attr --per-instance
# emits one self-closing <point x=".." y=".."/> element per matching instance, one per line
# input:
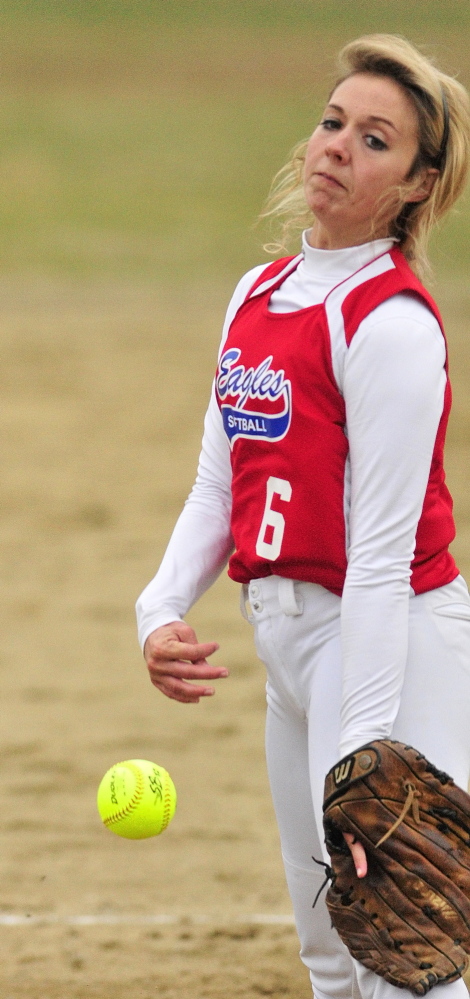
<point x="254" y="595"/>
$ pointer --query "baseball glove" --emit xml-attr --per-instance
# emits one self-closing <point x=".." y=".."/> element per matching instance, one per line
<point x="408" y="919"/>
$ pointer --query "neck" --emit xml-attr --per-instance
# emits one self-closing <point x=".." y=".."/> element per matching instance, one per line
<point x="321" y="238"/>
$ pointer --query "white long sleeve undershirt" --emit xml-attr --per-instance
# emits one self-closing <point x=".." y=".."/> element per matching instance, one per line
<point x="393" y="384"/>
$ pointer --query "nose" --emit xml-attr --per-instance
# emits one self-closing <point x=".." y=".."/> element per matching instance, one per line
<point x="338" y="146"/>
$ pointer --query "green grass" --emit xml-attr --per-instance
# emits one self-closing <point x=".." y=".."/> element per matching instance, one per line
<point x="139" y="139"/>
<point x="359" y="15"/>
<point x="135" y="186"/>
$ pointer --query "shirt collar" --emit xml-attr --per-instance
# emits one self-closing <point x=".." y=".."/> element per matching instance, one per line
<point x="336" y="265"/>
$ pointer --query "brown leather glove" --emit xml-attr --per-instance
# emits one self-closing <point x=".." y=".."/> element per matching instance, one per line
<point x="408" y="919"/>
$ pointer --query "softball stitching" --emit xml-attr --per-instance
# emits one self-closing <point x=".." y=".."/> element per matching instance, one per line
<point x="134" y="801"/>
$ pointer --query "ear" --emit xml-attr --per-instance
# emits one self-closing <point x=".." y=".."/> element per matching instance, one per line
<point x="425" y="180"/>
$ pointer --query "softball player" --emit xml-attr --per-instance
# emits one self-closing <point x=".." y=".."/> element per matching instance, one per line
<point x="321" y="473"/>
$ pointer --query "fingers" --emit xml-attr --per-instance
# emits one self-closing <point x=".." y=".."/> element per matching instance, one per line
<point x="358" y="854"/>
<point x="175" y="642"/>
<point x="171" y="678"/>
<point x="180" y="690"/>
<point x="185" y="670"/>
<point x="174" y="657"/>
<point x="185" y="650"/>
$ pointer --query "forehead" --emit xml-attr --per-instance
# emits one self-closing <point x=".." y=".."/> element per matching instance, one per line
<point x="368" y="95"/>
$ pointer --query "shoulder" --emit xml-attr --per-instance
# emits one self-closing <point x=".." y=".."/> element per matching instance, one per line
<point x="244" y="285"/>
<point x="403" y="318"/>
<point x="238" y="297"/>
<point x="247" y="281"/>
<point x="259" y="278"/>
<point x="400" y="338"/>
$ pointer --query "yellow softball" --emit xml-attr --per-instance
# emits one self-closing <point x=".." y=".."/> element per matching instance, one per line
<point x="136" y="799"/>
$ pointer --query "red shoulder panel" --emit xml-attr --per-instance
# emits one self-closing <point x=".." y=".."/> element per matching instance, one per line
<point x="368" y="296"/>
<point x="270" y="271"/>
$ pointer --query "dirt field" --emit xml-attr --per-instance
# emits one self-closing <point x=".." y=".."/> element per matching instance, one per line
<point x="98" y="453"/>
<point x="103" y="389"/>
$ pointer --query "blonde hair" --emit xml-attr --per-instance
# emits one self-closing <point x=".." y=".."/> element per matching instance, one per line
<point x="443" y="110"/>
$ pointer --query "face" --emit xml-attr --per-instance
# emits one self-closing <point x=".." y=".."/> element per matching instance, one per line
<point x="362" y="149"/>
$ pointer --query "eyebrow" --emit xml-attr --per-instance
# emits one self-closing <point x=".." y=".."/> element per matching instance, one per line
<point x="370" y="117"/>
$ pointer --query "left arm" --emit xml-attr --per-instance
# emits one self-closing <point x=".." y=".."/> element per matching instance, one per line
<point x="394" y="382"/>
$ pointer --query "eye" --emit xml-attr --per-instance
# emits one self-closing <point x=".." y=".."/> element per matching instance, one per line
<point x="374" y="142"/>
<point x="330" y="124"/>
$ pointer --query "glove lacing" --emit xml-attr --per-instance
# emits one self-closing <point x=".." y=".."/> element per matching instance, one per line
<point x="411" y="802"/>
<point x="330" y="876"/>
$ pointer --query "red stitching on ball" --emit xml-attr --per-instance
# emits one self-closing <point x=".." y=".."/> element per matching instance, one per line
<point x="166" y="805"/>
<point x="138" y="793"/>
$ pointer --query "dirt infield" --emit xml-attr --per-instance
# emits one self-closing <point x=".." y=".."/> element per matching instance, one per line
<point x="99" y="450"/>
<point x="103" y="390"/>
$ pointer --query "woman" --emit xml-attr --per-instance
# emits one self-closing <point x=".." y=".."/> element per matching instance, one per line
<point x="321" y="473"/>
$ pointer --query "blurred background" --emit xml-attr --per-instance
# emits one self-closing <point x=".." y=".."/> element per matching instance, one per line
<point x="137" y="145"/>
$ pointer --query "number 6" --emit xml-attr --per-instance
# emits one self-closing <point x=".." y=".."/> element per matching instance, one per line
<point x="271" y="518"/>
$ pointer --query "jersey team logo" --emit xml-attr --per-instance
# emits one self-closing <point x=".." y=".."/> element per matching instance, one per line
<point x="240" y="384"/>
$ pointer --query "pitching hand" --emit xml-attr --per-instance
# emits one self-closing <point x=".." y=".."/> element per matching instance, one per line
<point x="174" y="656"/>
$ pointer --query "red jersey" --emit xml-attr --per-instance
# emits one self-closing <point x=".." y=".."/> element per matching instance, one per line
<point x="285" y="419"/>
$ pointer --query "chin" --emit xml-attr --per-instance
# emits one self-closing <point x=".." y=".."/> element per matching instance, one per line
<point x="320" y="205"/>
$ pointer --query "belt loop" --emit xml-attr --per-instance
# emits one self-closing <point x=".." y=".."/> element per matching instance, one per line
<point x="289" y="602"/>
<point x="244" y="602"/>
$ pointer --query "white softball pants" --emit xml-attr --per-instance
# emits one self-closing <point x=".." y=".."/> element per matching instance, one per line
<point x="297" y="635"/>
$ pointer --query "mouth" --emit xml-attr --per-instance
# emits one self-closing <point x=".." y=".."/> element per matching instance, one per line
<point x="329" y="179"/>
